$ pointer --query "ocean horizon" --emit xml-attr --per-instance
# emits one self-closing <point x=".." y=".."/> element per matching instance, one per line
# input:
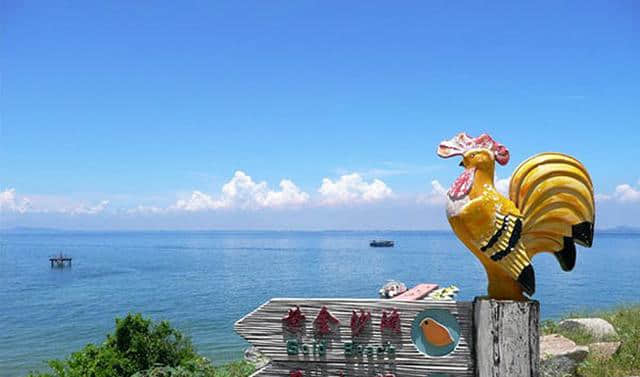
<point x="202" y="281"/>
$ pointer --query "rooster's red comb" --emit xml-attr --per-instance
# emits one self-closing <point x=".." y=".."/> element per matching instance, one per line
<point x="461" y="143"/>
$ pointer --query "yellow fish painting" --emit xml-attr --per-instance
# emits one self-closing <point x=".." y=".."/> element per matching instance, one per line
<point x="435" y="333"/>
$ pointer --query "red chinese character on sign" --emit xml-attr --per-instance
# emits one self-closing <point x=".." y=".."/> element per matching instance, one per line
<point x="324" y="322"/>
<point x="391" y="322"/>
<point x="296" y="373"/>
<point x="359" y="322"/>
<point x="294" y="320"/>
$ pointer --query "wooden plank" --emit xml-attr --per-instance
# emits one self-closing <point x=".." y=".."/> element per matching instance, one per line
<point x="264" y="328"/>
<point x="506" y="338"/>
<point x="418" y="292"/>
<point x="284" y="369"/>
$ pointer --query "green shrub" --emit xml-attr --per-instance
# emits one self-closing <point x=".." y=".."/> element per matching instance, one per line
<point x="235" y="369"/>
<point x="137" y="344"/>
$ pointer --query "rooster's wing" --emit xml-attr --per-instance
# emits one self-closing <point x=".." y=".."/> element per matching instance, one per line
<point x="505" y="249"/>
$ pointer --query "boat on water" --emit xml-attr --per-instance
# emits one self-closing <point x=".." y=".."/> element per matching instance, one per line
<point x="396" y="290"/>
<point x="60" y="260"/>
<point x="381" y="243"/>
<point x="392" y="288"/>
<point x="419" y="292"/>
<point x="444" y="294"/>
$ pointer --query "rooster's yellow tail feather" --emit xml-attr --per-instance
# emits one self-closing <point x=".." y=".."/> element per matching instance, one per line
<point x="554" y="194"/>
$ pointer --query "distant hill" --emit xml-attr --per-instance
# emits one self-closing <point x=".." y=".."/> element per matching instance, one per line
<point x="27" y="229"/>
<point x="620" y="230"/>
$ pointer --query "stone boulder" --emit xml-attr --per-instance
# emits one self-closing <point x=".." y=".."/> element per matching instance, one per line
<point x="255" y="357"/>
<point x="596" y="327"/>
<point x="604" y="350"/>
<point x="559" y="356"/>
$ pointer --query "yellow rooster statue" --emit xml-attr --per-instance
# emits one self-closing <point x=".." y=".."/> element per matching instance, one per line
<point x="550" y="208"/>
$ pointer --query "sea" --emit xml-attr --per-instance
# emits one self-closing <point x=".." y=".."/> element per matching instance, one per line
<point x="202" y="282"/>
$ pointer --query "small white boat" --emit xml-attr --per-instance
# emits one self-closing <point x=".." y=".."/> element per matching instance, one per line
<point x="392" y="288"/>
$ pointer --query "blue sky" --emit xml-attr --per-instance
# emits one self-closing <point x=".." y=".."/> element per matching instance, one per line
<point x="114" y="113"/>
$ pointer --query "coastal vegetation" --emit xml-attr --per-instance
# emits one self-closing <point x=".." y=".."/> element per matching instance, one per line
<point x="141" y="347"/>
<point x="624" y="362"/>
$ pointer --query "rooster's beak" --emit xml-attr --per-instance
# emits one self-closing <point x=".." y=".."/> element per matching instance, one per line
<point x="462" y="163"/>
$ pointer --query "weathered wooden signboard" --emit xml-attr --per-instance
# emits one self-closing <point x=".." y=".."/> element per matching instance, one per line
<point x="362" y="338"/>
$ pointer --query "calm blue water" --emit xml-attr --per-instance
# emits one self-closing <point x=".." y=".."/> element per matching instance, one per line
<point x="203" y="281"/>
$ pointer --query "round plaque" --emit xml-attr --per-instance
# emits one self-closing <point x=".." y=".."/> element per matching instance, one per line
<point x="435" y="332"/>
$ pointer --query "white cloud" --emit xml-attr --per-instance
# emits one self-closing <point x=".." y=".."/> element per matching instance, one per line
<point x="197" y="202"/>
<point x="624" y="193"/>
<point x="9" y="202"/>
<point x="88" y="210"/>
<point x="351" y="189"/>
<point x="602" y="197"/>
<point x="437" y="195"/>
<point x="502" y="185"/>
<point x="289" y="194"/>
<point x="145" y="210"/>
<point x="242" y="192"/>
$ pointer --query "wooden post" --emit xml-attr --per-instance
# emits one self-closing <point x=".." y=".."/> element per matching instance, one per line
<point x="506" y="338"/>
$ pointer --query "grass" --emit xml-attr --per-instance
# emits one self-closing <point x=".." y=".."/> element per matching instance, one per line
<point x="239" y="368"/>
<point x="235" y="369"/>
<point x="626" y="362"/>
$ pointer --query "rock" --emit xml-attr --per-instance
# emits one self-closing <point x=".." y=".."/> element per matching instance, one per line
<point x="558" y="367"/>
<point x="596" y="327"/>
<point x="556" y="345"/>
<point x="604" y="350"/>
<point x="255" y="357"/>
<point x="560" y="356"/>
